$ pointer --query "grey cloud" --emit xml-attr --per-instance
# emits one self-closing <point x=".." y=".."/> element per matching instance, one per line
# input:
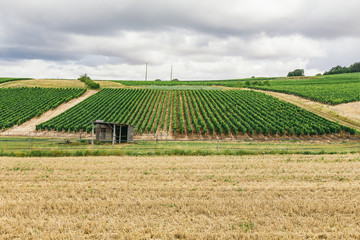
<point x="110" y="32"/>
<point x="312" y="18"/>
<point x="342" y="51"/>
<point x="16" y="53"/>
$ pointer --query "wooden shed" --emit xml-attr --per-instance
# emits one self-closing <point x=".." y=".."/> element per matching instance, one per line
<point x="112" y="132"/>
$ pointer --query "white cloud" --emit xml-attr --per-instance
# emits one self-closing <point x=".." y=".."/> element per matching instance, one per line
<point x="289" y="46"/>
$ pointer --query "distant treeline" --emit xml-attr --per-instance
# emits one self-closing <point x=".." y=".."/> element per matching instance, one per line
<point x="339" y="69"/>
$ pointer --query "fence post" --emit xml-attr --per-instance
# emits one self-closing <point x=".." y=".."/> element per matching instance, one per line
<point x="156" y="142"/>
<point x="7" y="138"/>
<point x="92" y="136"/>
<point x="218" y="147"/>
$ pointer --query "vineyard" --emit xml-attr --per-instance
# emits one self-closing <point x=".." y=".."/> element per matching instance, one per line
<point x="189" y="112"/>
<point x="18" y="105"/>
<point x="331" y="89"/>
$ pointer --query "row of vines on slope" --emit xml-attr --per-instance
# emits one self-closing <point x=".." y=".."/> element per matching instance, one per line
<point x="18" y="105"/>
<point x="335" y="89"/>
<point x="194" y="112"/>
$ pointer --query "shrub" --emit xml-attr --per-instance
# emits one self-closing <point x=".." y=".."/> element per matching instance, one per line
<point x="89" y="83"/>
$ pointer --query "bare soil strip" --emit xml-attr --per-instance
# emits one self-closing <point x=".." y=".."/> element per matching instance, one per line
<point x="218" y="197"/>
<point x="347" y="114"/>
<point x="28" y="128"/>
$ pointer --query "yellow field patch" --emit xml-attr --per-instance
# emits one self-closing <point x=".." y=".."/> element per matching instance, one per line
<point x="58" y="83"/>
<point x="46" y="83"/>
<point x="214" y="197"/>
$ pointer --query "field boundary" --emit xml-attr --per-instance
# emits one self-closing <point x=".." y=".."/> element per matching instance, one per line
<point x="57" y="147"/>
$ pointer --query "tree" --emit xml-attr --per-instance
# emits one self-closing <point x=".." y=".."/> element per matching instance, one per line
<point x="336" y="70"/>
<point x="296" y="72"/>
<point x="355" y="67"/>
<point x="84" y="77"/>
<point x="339" y="69"/>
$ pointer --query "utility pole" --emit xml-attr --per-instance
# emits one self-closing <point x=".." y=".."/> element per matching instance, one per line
<point x="171" y="73"/>
<point x="146" y="67"/>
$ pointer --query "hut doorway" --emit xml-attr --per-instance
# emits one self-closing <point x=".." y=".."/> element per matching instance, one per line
<point x="124" y="134"/>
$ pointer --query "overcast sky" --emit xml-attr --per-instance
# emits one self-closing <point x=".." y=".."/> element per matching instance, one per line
<point x="202" y="39"/>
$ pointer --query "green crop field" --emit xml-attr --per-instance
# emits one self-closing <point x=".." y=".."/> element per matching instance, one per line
<point x="18" y="105"/>
<point x="331" y="89"/>
<point x="193" y="112"/>
<point x="226" y="83"/>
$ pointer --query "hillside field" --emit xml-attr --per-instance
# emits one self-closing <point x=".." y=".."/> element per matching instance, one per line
<point x="18" y="105"/>
<point x="219" y="197"/>
<point x="330" y="89"/>
<point x="190" y="112"/>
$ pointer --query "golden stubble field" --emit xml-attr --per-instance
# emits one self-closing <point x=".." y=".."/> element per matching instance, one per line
<point x="213" y="197"/>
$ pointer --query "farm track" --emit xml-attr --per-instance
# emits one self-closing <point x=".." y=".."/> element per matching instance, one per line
<point x="336" y="113"/>
<point x="28" y="128"/>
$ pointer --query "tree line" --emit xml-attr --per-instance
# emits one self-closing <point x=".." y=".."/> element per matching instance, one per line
<point x="339" y="69"/>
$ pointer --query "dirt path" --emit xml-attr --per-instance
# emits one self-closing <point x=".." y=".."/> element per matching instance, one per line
<point x="347" y="114"/>
<point x="28" y="128"/>
<point x="350" y="110"/>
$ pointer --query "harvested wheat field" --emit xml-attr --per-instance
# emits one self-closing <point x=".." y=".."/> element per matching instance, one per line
<point x="216" y="197"/>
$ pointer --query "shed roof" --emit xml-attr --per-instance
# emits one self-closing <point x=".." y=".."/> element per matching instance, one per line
<point x="110" y="123"/>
